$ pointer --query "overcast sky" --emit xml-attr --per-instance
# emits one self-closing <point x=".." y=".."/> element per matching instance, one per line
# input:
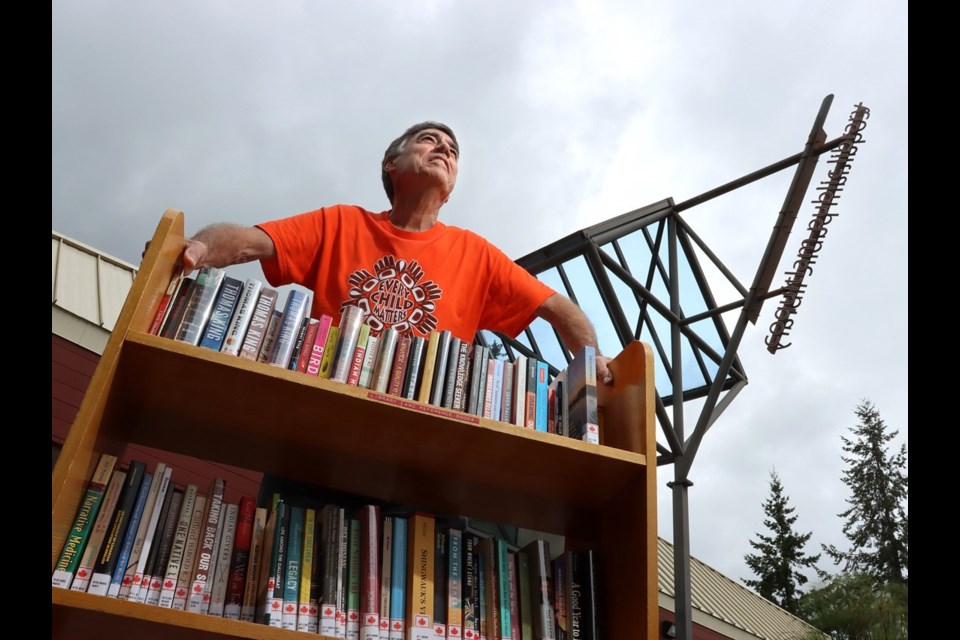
<point x="568" y="114"/>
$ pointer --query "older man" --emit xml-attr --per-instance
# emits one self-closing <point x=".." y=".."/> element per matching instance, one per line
<point x="402" y="266"/>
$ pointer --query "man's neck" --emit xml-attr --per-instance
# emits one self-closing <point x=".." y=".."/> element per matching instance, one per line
<point x="417" y="213"/>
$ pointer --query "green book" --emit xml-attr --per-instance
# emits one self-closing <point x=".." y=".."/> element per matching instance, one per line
<point x="291" y="578"/>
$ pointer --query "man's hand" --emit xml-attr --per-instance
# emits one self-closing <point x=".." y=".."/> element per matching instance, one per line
<point x="604" y="375"/>
<point x="194" y="251"/>
<point x="575" y="330"/>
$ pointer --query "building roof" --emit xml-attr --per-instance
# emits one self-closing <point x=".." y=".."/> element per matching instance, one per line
<point x="89" y="289"/>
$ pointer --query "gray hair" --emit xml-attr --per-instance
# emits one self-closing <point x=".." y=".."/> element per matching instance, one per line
<point x="396" y="148"/>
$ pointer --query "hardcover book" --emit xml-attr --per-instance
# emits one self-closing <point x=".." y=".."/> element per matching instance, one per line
<point x="398" y="581"/>
<point x="380" y="380"/>
<point x="104" y="517"/>
<point x="294" y="311"/>
<point x="279" y="569"/>
<point x="123" y="559"/>
<point x="506" y="404"/>
<point x="221" y="570"/>
<point x="259" y="322"/>
<point x="520" y="390"/>
<point x="248" y="609"/>
<point x="450" y="376"/>
<point x="199" y="307"/>
<point x="412" y="377"/>
<point x="306" y="572"/>
<point x="478" y="376"/>
<point x="240" y="558"/>
<point x="198" y="600"/>
<point x="420" y="557"/>
<point x="329" y="351"/>
<point x="109" y="555"/>
<point x="454" y="599"/>
<point x="428" y="365"/>
<point x="73" y="549"/>
<point x="242" y="315"/>
<point x="386" y="564"/>
<point x="530" y="410"/>
<point x="270" y="335"/>
<point x="369" y="517"/>
<point x="398" y="370"/>
<point x="471" y="588"/>
<point x="351" y="318"/>
<point x="536" y="556"/>
<point x="524" y="597"/>
<point x="162" y="545"/>
<point x="139" y="553"/>
<point x="319" y="345"/>
<point x="459" y="402"/>
<point x="178" y="304"/>
<point x="298" y="343"/>
<point x="359" y="354"/>
<point x="171" y="569"/>
<point x="492" y="590"/>
<point x="267" y="609"/>
<point x="511" y="591"/>
<point x="215" y="331"/>
<point x="584" y="423"/>
<point x="184" y="578"/>
<point x="440" y="367"/>
<point x="311" y="328"/>
<point x="354" y="580"/>
<point x="291" y="577"/>
<point x="165" y="302"/>
<point x="369" y="360"/>
<point x="332" y="519"/>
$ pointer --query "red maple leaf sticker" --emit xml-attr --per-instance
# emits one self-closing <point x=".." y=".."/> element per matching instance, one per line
<point x="421" y="621"/>
<point x="384" y="624"/>
<point x="82" y="573"/>
<point x="313" y="610"/>
<point x="168" y="584"/>
<point x="155" y="584"/>
<point x="136" y="580"/>
<point x="328" y="611"/>
<point x="438" y="630"/>
<point x="469" y="634"/>
<point x="198" y="588"/>
<point x="206" y="597"/>
<point x="126" y="581"/>
<point x="289" y="608"/>
<point x="181" y="592"/>
<point x="592" y="428"/>
<point x="397" y="626"/>
<point x="371" y="619"/>
<point x="303" y="609"/>
<point x="453" y="631"/>
<point x="354" y="616"/>
<point x="275" y="605"/>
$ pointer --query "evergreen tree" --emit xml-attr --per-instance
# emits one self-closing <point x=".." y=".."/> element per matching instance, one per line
<point x="780" y="556"/>
<point x="876" y="522"/>
<point x="851" y="606"/>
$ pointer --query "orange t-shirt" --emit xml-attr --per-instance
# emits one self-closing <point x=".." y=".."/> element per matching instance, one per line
<point x="442" y="278"/>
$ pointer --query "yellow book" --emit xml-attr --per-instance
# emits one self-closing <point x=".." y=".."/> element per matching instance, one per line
<point x="429" y="363"/>
<point x="421" y="540"/>
<point x="328" y="351"/>
<point x="306" y="575"/>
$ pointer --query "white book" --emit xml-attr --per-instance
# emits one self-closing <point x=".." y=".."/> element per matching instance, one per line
<point x="519" y="390"/>
<point x="141" y="581"/>
<point x="496" y="400"/>
<point x="185" y="577"/>
<point x="172" y="570"/>
<point x="240" y="321"/>
<point x="221" y="572"/>
<point x="369" y="360"/>
<point x="384" y="365"/>
<point x="137" y="561"/>
<point x="295" y="310"/>
<point x="350" y="320"/>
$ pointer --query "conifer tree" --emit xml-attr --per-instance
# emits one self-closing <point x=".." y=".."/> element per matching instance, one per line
<point x="780" y="559"/>
<point x="876" y="522"/>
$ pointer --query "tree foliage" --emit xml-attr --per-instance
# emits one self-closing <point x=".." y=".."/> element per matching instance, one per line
<point x="780" y="556"/>
<point x="876" y="521"/>
<point x="851" y="606"/>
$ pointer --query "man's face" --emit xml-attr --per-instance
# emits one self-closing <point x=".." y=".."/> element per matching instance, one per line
<point x="429" y="157"/>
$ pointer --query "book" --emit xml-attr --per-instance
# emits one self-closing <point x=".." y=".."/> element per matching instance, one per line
<point x="421" y="538"/>
<point x="483" y="606"/>
<point x="182" y="589"/>
<point x="427" y="367"/>
<point x="369" y="517"/>
<point x="511" y="591"/>
<point x="319" y="345"/>
<point x="307" y="610"/>
<point x="332" y="519"/>
<point x="241" y="318"/>
<point x="84" y="570"/>
<point x="109" y="555"/>
<point x="561" y="619"/>
<point x="221" y="570"/>
<point x="439" y="631"/>
<point x="298" y="345"/>
<point x="142" y="543"/>
<point x="398" y="580"/>
<point x="163" y="308"/>
<point x="440" y="367"/>
<point x="519" y="390"/>
<point x="240" y="558"/>
<point x="162" y="546"/>
<point x="398" y="370"/>
<point x="354" y="580"/>
<point x="386" y="565"/>
<point x="542" y="388"/>
<point x="270" y="335"/>
<point x="561" y="404"/>
<point x="171" y="571"/>
<point x="178" y="305"/>
<point x="248" y="608"/>
<point x="524" y="596"/>
<point x="488" y="388"/>
<point x="450" y="376"/>
<point x="412" y="377"/>
<point x="380" y="380"/>
<point x="198" y="599"/>
<point x="259" y="323"/>
<point x="530" y="410"/>
<point x="351" y="318"/>
<point x="316" y="578"/>
<point x="291" y="575"/>
<point x="584" y="422"/>
<point x="471" y="588"/>
<point x="66" y="567"/>
<point x="294" y="311"/>
<point x="492" y="590"/>
<point x="279" y="568"/>
<point x="326" y="364"/>
<point x="359" y="353"/>
<point x="130" y="537"/>
<point x="478" y="373"/>
<point x="343" y="574"/>
<point x="312" y="327"/>
<point x="199" y="307"/>
<point x="581" y="594"/>
<point x="506" y="404"/>
<point x="369" y="360"/>
<point x="215" y="331"/>
<point x="536" y="556"/>
<point x="460" y="391"/>
<point x="164" y="503"/>
<point x="454" y="599"/>
<point x="267" y="609"/>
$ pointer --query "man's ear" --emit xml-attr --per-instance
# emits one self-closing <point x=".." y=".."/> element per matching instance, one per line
<point x="389" y="165"/>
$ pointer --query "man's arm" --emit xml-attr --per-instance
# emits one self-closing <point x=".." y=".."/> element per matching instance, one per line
<point x="223" y="245"/>
<point x="574" y="328"/>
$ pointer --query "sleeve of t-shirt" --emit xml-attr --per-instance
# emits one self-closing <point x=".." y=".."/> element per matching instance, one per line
<point x="297" y="239"/>
<point x="513" y="298"/>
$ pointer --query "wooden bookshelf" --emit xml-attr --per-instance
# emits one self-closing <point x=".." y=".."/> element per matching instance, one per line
<point x="184" y="399"/>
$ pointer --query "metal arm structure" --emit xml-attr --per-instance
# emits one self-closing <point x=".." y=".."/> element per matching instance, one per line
<point x="647" y="277"/>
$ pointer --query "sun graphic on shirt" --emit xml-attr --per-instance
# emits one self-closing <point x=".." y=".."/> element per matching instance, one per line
<point x="395" y="295"/>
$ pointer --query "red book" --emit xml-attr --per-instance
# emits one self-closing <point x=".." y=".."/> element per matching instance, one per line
<point x="168" y="295"/>
<point x="399" y="366"/>
<point x="240" y="559"/>
<point x="306" y="350"/>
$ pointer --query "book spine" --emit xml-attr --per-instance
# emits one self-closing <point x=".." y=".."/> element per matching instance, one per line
<point x="123" y="559"/>
<point x="291" y="576"/>
<point x="530" y="410"/>
<point x="520" y="390"/>
<point x="354" y="579"/>
<point x="411" y="378"/>
<point x="265" y="573"/>
<point x="139" y="554"/>
<point x="471" y="601"/>
<point x="506" y="411"/>
<point x="370" y="572"/>
<point x="326" y="365"/>
<point x="420" y="556"/>
<point x="428" y="366"/>
<point x="159" y="569"/>
<point x="216" y="329"/>
<point x="178" y="306"/>
<point x="524" y="596"/>
<point x="319" y="345"/>
<point x="511" y="590"/>
<point x="104" y="517"/>
<point x="221" y="571"/>
<point x="399" y="368"/>
<point x="240" y="558"/>
<point x="75" y="544"/>
<point x="309" y="339"/>
<point x="381" y="370"/>
<point x="293" y="314"/>
<point x="369" y="360"/>
<point x="359" y="353"/>
<point x="386" y="564"/>
<point x="488" y="388"/>
<point x="172" y="567"/>
<point x="200" y="305"/>
<point x="351" y="318"/>
<point x="561" y="620"/>
<point x="542" y="388"/>
<point x="331" y="516"/>
<point x="182" y="590"/>
<point x="116" y="531"/>
<point x="491" y="593"/>
<point x="306" y="569"/>
<point x="582" y="397"/>
<point x="163" y="505"/>
<point x="440" y="562"/>
<point x="259" y="321"/>
<point x="540" y="578"/>
<point x="298" y="344"/>
<point x="270" y="336"/>
<point x="450" y="377"/>
<point x="442" y="356"/>
<point x="163" y="308"/>
<point x="248" y="607"/>
<point x="242" y="315"/>
<point x="279" y="568"/>
<point x="316" y="579"/>
<point x="460" y="391"/>
<point x="455" y="584"/>
<point x="398" y="580"/>
<point x="477" y="371"/>
<point x="198" y="601"/>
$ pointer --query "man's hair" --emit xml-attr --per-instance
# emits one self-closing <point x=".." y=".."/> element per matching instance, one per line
<point x="396" y="148"/>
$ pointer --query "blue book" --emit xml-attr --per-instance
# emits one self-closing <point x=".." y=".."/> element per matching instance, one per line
<point x="108" y="556"/>
<point x="120" y="570"/>
<point x="543" y="375"/>
<point x="294" y="311"/>
<point x="503" y="587"/>
<point x="291" y="579"/>
<point x="398" y="578"/>
<point x="223" y="305"/>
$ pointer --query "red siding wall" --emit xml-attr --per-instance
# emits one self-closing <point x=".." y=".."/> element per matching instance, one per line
<point x="73" y="367"/>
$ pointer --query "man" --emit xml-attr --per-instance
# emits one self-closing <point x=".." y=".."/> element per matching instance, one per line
<point x="403" y="267"/>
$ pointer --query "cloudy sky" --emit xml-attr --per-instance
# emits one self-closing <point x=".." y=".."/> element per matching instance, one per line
<point x="568" y="114"/>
